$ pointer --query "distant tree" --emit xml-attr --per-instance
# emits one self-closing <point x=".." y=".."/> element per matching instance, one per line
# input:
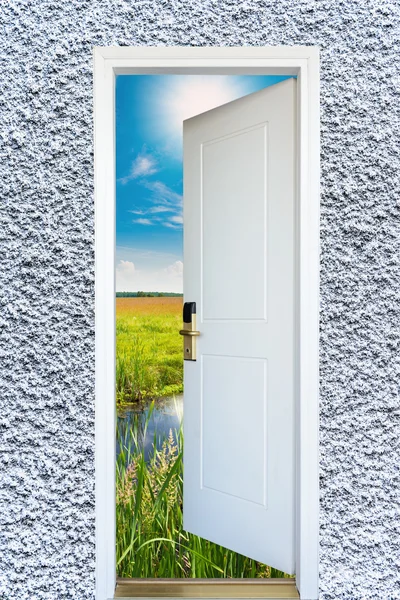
<point x="148" y="295"/>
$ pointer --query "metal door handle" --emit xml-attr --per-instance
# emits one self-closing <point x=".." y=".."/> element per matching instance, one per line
<point x="189" y="332"/>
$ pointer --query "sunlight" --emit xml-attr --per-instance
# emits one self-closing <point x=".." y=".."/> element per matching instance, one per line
<point x="192" y="95"/>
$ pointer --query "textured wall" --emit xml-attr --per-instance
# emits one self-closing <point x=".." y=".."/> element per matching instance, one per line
<point x="47" y="274"/>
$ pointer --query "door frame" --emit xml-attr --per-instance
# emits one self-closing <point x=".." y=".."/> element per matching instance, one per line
<point x="302" y="61"/>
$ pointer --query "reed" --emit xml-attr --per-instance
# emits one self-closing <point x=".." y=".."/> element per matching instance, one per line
<point x="151" y="541"/>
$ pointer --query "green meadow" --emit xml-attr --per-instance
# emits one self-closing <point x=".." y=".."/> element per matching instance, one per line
<point x="149" y="349"/>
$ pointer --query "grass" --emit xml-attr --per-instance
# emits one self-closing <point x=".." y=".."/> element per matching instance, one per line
<point x="151" y="541"/>
<point x="149" y="348"/>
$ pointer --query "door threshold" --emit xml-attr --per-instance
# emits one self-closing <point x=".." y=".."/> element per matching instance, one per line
<point x="206" y="588"/>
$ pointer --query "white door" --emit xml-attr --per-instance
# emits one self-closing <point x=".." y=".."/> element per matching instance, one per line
<point x="239" y="268"/>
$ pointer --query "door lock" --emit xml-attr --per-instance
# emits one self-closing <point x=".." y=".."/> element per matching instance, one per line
<point x="189" y="331"/>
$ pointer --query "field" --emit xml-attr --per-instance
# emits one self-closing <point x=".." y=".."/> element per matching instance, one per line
<point x="149" y="348"/>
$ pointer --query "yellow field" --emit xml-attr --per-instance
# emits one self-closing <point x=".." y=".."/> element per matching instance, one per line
<point x="149" y="360"/>
<point x="149" y="306"/>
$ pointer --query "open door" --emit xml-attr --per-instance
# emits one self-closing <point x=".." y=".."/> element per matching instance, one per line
<point x="239" y="269"/>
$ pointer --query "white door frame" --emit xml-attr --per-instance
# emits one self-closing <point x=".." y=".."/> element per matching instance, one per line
<point x="303" y="62"/>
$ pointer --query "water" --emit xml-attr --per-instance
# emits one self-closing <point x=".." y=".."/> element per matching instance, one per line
<point x="167" y="414"/>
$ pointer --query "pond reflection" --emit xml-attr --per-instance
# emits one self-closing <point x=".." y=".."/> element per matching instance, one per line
<point x="167" y="415"/>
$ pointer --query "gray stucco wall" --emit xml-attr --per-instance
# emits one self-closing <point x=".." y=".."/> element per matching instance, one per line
<point x="47" y="276"/>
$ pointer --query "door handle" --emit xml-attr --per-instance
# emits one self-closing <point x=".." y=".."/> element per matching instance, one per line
<point x="189" y="331"/>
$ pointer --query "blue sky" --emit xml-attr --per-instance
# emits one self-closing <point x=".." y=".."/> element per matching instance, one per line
<point x="149" y="114"/>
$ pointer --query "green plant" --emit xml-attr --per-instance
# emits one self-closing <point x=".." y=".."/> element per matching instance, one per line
<point x="151" y="541"/>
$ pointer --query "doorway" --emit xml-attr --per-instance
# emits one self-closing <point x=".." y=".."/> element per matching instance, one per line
<point x="241" y="537"/>
<point x="150" y="112"/>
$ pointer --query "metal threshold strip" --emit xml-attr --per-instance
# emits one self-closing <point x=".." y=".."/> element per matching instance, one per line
<point x="206" y="588"/>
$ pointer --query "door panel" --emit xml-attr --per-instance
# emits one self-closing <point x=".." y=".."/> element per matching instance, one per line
<point x="226" y="382"/>
<point x="239" y="228"/>
<point x="227" y="173"/>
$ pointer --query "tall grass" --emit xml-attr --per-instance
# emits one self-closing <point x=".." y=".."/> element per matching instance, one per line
<point x="151" y="541"/>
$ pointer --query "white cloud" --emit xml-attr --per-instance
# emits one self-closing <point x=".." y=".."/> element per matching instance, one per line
<point x="126" y="266"/>
<point x="170" y="225"/>
<point x="144" y="164"/>
<point x="163" y="195"/>
<point x="174" y="222"/>
<point x="176" y="269"/>
<point x="160" y="209"/>
<point x="153" y="210"/>
<point x="177" y="219"/>
<point x="125" y="275"/>
<point x="131" y="279"/>
<point x="143" y="221"/>
<point x="164" y="200"/>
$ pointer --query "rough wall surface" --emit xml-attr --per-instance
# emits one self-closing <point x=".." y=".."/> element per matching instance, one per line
<point x="47" y="276"/>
